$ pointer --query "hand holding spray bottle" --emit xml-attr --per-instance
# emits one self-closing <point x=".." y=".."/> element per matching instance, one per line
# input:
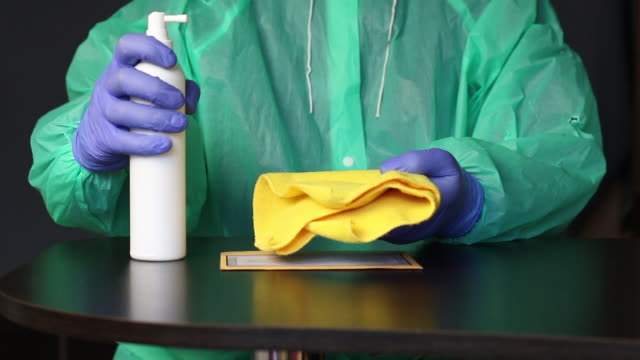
<point x="157" y="183"/>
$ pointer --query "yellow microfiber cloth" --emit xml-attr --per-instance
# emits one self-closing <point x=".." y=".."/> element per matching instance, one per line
<point x="354" y="206"/>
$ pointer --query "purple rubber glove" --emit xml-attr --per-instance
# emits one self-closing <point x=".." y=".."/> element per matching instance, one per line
<point x="102" y="141"/>
<point x="462" y="197"/>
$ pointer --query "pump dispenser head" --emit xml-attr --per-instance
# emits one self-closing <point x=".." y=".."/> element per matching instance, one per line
<point x="157" y="27"/>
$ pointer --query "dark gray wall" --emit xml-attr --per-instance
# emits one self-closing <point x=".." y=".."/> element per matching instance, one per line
<point x="40" y="37"/>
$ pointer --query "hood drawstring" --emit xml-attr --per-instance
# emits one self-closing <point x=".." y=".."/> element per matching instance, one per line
<point x="386" y="57"/>
<point x="309" y="57"/>
<point x="384" y="66"/>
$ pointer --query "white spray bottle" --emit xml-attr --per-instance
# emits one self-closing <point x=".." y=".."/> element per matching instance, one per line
<point x="157" y="183"/>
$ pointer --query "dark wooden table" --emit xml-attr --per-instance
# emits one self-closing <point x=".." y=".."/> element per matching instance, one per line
<point x="541" y="298"/>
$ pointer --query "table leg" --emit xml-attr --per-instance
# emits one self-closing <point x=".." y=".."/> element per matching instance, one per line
<point x="62" y="347"/>
<point x="286" y="355"/>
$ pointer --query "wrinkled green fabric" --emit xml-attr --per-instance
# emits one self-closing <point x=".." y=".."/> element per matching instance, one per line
<point x="491" y="82"/>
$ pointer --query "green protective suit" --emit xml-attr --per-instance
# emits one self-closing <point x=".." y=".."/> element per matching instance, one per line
<point x="492" y="82"/>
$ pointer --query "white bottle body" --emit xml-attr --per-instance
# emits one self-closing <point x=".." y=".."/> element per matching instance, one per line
<point x="157" y="187"/>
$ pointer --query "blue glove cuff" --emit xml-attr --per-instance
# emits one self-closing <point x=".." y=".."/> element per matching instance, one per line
<point x="80" y="157"/>
<point x="474" y="202"/>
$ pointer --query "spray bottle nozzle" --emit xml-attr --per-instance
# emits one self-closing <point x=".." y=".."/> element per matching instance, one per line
<point x="157" y="24"/>
<point x="176" y="18"/>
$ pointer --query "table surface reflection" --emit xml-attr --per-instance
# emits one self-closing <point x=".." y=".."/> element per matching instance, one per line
<point x="556" y="297"/>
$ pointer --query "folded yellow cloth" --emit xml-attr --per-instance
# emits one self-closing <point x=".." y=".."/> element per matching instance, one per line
<point x="355" y="206"/>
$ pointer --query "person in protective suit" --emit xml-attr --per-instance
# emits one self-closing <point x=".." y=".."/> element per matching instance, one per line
<point x="483" y="97"/>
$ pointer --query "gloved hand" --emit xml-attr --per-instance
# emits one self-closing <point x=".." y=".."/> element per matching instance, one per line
<point x="462" y="197"/>
<point x="102" y="141"/>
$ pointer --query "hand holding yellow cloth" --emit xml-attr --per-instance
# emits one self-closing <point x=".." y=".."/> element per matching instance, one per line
<point x="355" y="206"/>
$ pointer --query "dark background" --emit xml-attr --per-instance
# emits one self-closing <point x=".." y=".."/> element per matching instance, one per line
<point x="40" y="38"/>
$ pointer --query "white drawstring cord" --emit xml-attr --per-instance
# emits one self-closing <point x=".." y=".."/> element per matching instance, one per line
<point x="386" y="57"/>
<point x="310" y="90"/>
